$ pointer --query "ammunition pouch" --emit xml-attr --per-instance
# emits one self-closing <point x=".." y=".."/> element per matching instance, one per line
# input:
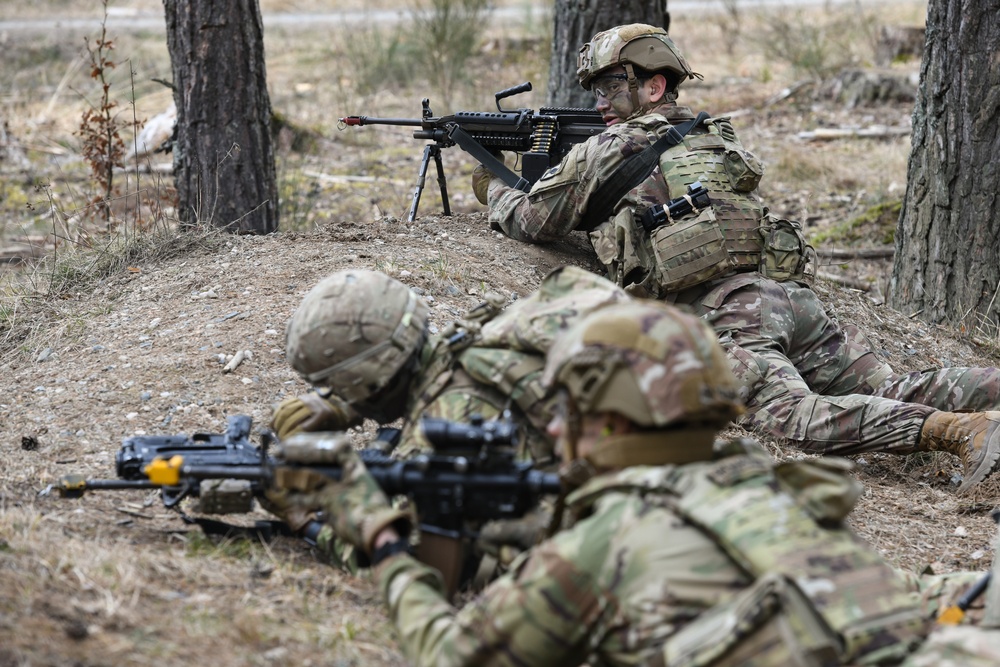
<point x="690" y="252"/>
<point x="851" y="595"/>
<point x="769" y="623"/>
<point x="786" y="254"/>
<point x="743" y="169"/>
<point x="824" y="487"/>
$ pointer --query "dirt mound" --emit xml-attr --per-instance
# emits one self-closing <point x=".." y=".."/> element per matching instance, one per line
<point x="116" y="579"/>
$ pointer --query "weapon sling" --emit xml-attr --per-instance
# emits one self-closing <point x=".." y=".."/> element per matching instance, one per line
<point x="631" y="173"/>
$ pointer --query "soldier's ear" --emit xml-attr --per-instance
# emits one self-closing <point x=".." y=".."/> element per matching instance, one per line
<point x="657" y="87"/>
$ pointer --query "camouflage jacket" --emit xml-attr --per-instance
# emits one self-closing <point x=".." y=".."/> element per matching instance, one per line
<point x="496" y="361"/>
<point x="636" y="580"/>
<point x="711" y="153"/>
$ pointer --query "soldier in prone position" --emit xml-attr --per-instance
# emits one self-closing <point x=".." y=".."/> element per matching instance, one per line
<point x="362" y="339"/>
<point x="804" y="377"/>
<point x="678" y="550"/>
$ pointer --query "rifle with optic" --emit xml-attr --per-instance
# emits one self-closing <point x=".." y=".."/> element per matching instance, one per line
<point x="471" y="477"/>
<point x="542" y="138"/>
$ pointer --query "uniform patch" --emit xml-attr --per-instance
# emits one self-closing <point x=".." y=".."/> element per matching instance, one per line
<point x="551" y="172"/>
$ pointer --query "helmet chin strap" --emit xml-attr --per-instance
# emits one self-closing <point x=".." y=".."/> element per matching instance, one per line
<point x="633" y="89"/>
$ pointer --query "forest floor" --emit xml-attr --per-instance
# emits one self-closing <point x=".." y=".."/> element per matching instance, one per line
<point x="120" y="332"/>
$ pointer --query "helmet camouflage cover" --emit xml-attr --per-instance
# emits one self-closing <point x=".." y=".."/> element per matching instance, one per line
<point x="648" y="361"/>
<point x="638" y="44"/>
<point x="354" y="331"/>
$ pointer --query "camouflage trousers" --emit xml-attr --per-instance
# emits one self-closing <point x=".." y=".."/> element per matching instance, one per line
<point x="819" y="385"/>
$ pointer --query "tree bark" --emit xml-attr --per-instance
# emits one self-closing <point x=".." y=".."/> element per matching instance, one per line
<point x="947" y="265"/>
<point x="223" y="157"/>
<point x="576" y="21"/>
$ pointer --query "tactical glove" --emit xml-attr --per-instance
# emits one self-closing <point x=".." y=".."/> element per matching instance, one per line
<point x="506" y="538"/>
<point x="279" y="503"/>
<point x="311" y="412"/>
<point x="355" y="506"/>
<point x="481" y="177"/>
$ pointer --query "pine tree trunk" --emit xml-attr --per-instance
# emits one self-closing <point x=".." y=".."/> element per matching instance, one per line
<point x="223" y="158"/>
<point x="947" y="266"/>
<point x="576" y="21"/>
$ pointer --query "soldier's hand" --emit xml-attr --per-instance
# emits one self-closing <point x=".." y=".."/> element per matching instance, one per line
<point x="506" y="538"/>
<point x="311" y="412"/>
<point x="355" y="506"/>
<point x="281" y="503"/>
<point x="481" y="177"/>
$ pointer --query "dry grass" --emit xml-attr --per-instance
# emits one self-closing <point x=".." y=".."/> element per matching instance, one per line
<point x="170" y="603"/>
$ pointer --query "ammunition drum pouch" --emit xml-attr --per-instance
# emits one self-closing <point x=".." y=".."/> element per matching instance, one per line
<point x="786" y="254"/>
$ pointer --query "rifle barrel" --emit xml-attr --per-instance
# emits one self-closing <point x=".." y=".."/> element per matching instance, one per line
<point x="120" y="484"/>
<point x="370" y="120"/>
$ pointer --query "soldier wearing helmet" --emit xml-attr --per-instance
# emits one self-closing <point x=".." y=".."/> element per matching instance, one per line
<point x="677" y="549"/>
<point x="693" y="230"/>
<point x="640" y="50"/>
<point x="362" y="339"/>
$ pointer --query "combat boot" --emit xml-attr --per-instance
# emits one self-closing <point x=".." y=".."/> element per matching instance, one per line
<point x="974" y="437"/>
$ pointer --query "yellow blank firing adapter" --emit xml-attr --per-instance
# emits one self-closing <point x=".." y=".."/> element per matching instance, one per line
<point x="163" y="472"/>
<point x="953" y="615"/>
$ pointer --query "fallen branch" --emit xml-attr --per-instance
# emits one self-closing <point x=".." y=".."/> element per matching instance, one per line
<point x="785" y="93"/>
<point x="853" y="283"/>
<point x="237" y="359"/>
<point x="873" y="132"/>
<point x="20" y="254"/>
<point x="856" y="253"/>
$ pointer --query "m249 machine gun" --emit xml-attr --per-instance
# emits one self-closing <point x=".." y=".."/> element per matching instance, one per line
<point x="542" y="138"/>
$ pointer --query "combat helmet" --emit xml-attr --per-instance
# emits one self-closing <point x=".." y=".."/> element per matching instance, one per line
<point x="636" y="45"/>
<point x="658" y="366"/>
<point x="354" y="331"/>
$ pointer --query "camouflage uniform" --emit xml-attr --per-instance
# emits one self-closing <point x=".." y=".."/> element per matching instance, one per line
<point x="960" y="646"/>
<point x="805" y="378"/>
<point x="483" y="365"/>
<point x="818" y="384"/>
<point x="444" y="390"/>
<point x="495" y="363"/>
<point x="723" y="558"/>
<point x="634" y="580"/>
